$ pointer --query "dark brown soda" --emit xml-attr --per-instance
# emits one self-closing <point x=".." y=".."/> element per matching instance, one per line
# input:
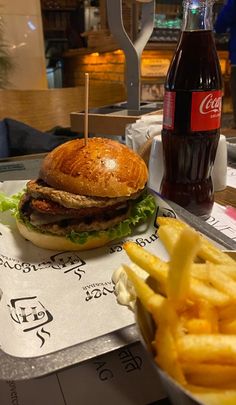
<point x="188" y="155"/>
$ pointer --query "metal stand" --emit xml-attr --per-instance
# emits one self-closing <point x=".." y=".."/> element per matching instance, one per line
<point x="132" y="50"/>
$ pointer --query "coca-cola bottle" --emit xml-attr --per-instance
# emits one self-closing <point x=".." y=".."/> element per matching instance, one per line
<point x="192" y="112"/>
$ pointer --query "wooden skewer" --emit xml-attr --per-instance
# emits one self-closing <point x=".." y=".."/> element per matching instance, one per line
<point x="86" y="108"/>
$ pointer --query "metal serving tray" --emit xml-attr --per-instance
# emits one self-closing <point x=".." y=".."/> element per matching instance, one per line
<point x="15" y="368"/>
<point x="18" y="368"/>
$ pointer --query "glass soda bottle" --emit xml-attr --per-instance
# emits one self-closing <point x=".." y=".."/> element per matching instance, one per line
<point x="192" y="112"/>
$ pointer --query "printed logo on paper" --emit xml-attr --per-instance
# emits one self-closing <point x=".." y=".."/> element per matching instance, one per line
<point x="31" y="315"/>
<point x="95" y="291"/>
<point x="68" y="262"/>
<point x="130" y="362"/>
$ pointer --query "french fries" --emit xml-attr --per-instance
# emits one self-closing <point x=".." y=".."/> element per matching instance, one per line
<point x="207" y="252"/>
<point x="194" y="309"/>
<point x="214" y="375"/>
<point x="179" y="274"/>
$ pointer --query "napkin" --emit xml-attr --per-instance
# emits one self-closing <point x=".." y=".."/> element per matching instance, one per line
<point x="144" y="128"/>
<point x="155" y="164"/>
<point x="219" y="171"/>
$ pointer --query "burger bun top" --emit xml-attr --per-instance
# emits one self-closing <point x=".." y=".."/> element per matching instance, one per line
<point x="101" y="168"/>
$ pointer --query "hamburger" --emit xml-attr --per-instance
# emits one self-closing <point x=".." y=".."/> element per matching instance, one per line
<point x="85" y="196"/>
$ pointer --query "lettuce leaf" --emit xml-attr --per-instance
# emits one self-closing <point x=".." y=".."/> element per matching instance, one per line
<point x="141" y="210"/>
<point x="10" y="203"/>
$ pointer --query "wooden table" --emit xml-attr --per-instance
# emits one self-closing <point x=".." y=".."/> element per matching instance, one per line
<point x="226" y="197"/>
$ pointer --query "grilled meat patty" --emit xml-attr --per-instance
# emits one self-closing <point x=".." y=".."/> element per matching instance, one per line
<point x="52" y="208"/>
<point x="40" y="190"/>
<point x="60" y="212"/>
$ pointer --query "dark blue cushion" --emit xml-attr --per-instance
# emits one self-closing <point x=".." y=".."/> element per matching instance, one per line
<point x="25" y="140"/>
<point x="4" y="144"/>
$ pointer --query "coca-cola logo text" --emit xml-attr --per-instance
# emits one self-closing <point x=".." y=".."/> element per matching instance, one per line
<point x="210" y="104"/>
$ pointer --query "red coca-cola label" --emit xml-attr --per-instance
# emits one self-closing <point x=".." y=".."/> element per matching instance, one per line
<point x="206" y="110"/>
<point x="169" y="110"/>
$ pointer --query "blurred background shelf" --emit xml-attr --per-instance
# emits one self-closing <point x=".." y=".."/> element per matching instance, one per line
<point x="78" y="40"/>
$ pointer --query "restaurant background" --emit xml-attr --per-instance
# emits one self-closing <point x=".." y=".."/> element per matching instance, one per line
<point x="52" y="43"/>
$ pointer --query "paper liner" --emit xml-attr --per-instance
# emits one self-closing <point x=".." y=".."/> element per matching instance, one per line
<point x="54" y="300"/>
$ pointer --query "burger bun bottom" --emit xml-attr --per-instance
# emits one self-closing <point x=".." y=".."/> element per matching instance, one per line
<point x="60" y="243"/>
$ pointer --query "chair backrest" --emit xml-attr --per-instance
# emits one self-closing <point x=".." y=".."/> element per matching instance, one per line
<point x="45" y="109"/>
